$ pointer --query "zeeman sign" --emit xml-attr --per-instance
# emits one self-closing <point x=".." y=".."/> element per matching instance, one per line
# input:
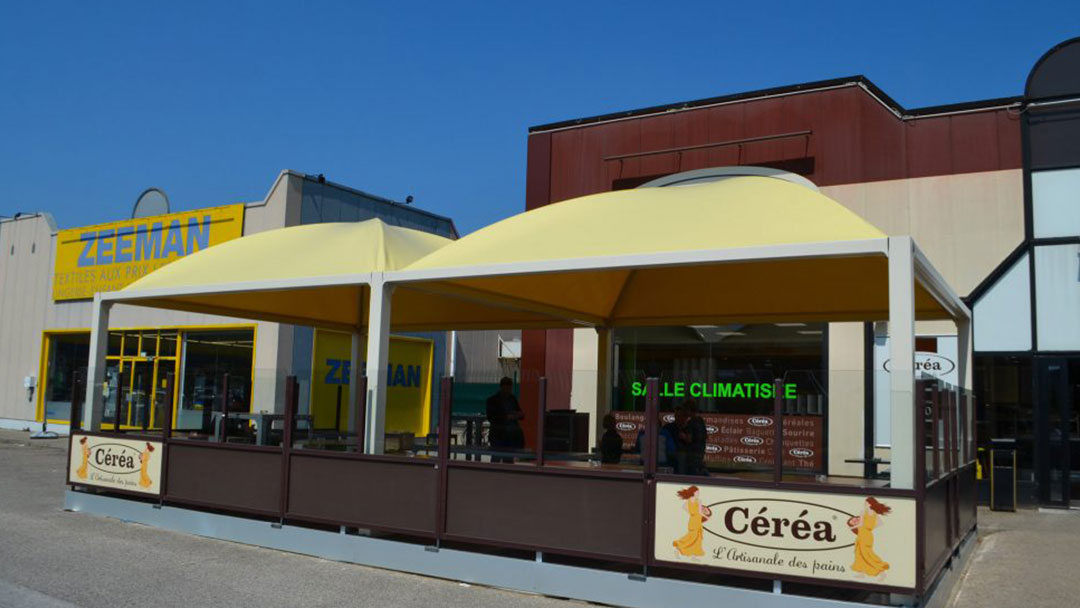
<point x="108" y="257"/>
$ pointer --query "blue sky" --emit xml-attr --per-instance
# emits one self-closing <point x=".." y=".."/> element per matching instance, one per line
<point x="100" y="100"/>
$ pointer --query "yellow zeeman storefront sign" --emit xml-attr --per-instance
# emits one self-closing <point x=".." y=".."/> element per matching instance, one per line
<point x="108" y="257"/>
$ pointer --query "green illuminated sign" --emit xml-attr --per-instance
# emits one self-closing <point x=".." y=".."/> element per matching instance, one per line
<point x="726" y="390"/>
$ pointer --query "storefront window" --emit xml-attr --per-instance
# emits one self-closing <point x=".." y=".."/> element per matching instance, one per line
<point x="217" y="372"/>
<point x="718" y="388"/>
<point x="65" y="374"/>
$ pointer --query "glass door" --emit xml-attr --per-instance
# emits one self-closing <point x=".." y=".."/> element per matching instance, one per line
<point x="1056" y="430"/>
<point x="139" y="393"/>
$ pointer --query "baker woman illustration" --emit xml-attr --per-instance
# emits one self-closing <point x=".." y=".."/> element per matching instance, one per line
<point x="81" y="471"/>
<point x="144" y="460"/>
<point x="866" y="561"/>
<point x="689" y="544"/>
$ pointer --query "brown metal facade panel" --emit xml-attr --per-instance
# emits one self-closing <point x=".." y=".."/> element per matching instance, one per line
<point x="385" y="495"/>
<point x="656" y="134"/>
<point x="724" y="123"/>
<point x="836" y="149"/>
<point x="568" y="164"/>
<point x="533" y="362"/>
<point x="692" y="129"/>
<point x="882" y="141"/>
<point x="974" y="141"/>
<point x="233" y="479"/>
<point x="1010" y="150"/>
<point x="580" y="515"/>
<point x="559" y="367"/>
<point x="538" y="171"/>
<point x="855" y="138"/>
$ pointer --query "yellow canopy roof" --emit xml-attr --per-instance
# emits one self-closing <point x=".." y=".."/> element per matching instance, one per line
<point x="312" y="274"/>
<point x="726" y="214"/>
<point x="635" y="251"/>
<point x="741" y="249"/>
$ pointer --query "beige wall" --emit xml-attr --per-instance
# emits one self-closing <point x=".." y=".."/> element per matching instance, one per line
<point x="966" y="224"/>
<point x="27" y="309"/>
<point x="25" y="284"/>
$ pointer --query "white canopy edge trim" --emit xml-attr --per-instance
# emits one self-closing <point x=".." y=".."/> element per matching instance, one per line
<point x="763" y="253"/>
<point x="929" y="277"/>
<point x="341" y="280"/>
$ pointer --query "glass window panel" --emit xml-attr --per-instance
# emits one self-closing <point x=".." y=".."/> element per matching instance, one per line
<point x="1003" y="314"/>
<point x="217" y="372"/>
<point x="115" y="343"/>
<point x="131" y="343"/>
<point x="65" y="374"/>
<point x="717" y="393"/>
<point x="1057" y="291"/>
<point x="1055" y="197"/>
<point x="167" y="344"/>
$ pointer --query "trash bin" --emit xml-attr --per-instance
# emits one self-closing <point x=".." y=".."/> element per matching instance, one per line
<point x="1002" y="474"/>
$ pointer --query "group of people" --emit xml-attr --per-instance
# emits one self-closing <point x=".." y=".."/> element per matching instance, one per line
<point x="680" y="445"/>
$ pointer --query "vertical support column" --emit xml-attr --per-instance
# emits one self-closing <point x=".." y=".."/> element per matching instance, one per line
<point x="541" y="416"/>
<point x="378" y="351"/>
<point x="965" y="363"/>
<point x="357" y="393"/>
<point x="291" y="400"/>
<point x="778" y="429"/>
<point x="446" y="404"/>
<point x="95" y="375"/>
<point x="605" y="366"/>
<point x="902" y="361"/>
<point x="649" y="449"/>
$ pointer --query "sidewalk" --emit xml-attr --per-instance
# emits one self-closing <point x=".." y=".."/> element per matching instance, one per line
<point x="1027" y="559"/>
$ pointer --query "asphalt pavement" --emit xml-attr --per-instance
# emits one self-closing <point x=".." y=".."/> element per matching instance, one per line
<point x="50" y="558"/>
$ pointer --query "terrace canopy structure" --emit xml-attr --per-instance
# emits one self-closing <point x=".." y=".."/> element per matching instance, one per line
<point x="735" y="250"/>
<point x="745" y="249"/>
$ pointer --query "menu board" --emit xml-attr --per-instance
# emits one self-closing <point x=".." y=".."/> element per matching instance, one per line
<point x="744" y="439"/>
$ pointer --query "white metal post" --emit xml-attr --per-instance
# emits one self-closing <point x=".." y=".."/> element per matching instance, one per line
<point x="902" y="362"/>
<point x="94" y="405"/>
<point x="964" y="366"/>
<point x="378" y="351"/>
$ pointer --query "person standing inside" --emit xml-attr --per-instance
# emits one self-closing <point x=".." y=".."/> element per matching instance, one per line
<point x="695" y="435"/>
<point x="611" y="444"/>
<point x="503" y="415"/>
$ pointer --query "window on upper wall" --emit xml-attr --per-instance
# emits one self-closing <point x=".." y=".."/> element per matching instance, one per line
<point x="1055" y="197"/>
<point x="1057" y="296"/>
<point x="1003" y="313"/>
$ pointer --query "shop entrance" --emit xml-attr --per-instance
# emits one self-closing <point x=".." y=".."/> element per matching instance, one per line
<point x="1058" y="430"/>
<point x="140" y="378"/>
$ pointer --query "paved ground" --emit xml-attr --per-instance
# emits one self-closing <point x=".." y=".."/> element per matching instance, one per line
<point x="53" y="559"/>
<point x="1027" y="559"/>
<point x="50" y="558"/>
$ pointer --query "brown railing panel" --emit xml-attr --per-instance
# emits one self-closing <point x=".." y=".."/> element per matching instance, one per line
<point x="577" y="515"/>
<point x="936" y="539"/>
<point x="351" y="491"/>
<point x="236" y="478"/>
